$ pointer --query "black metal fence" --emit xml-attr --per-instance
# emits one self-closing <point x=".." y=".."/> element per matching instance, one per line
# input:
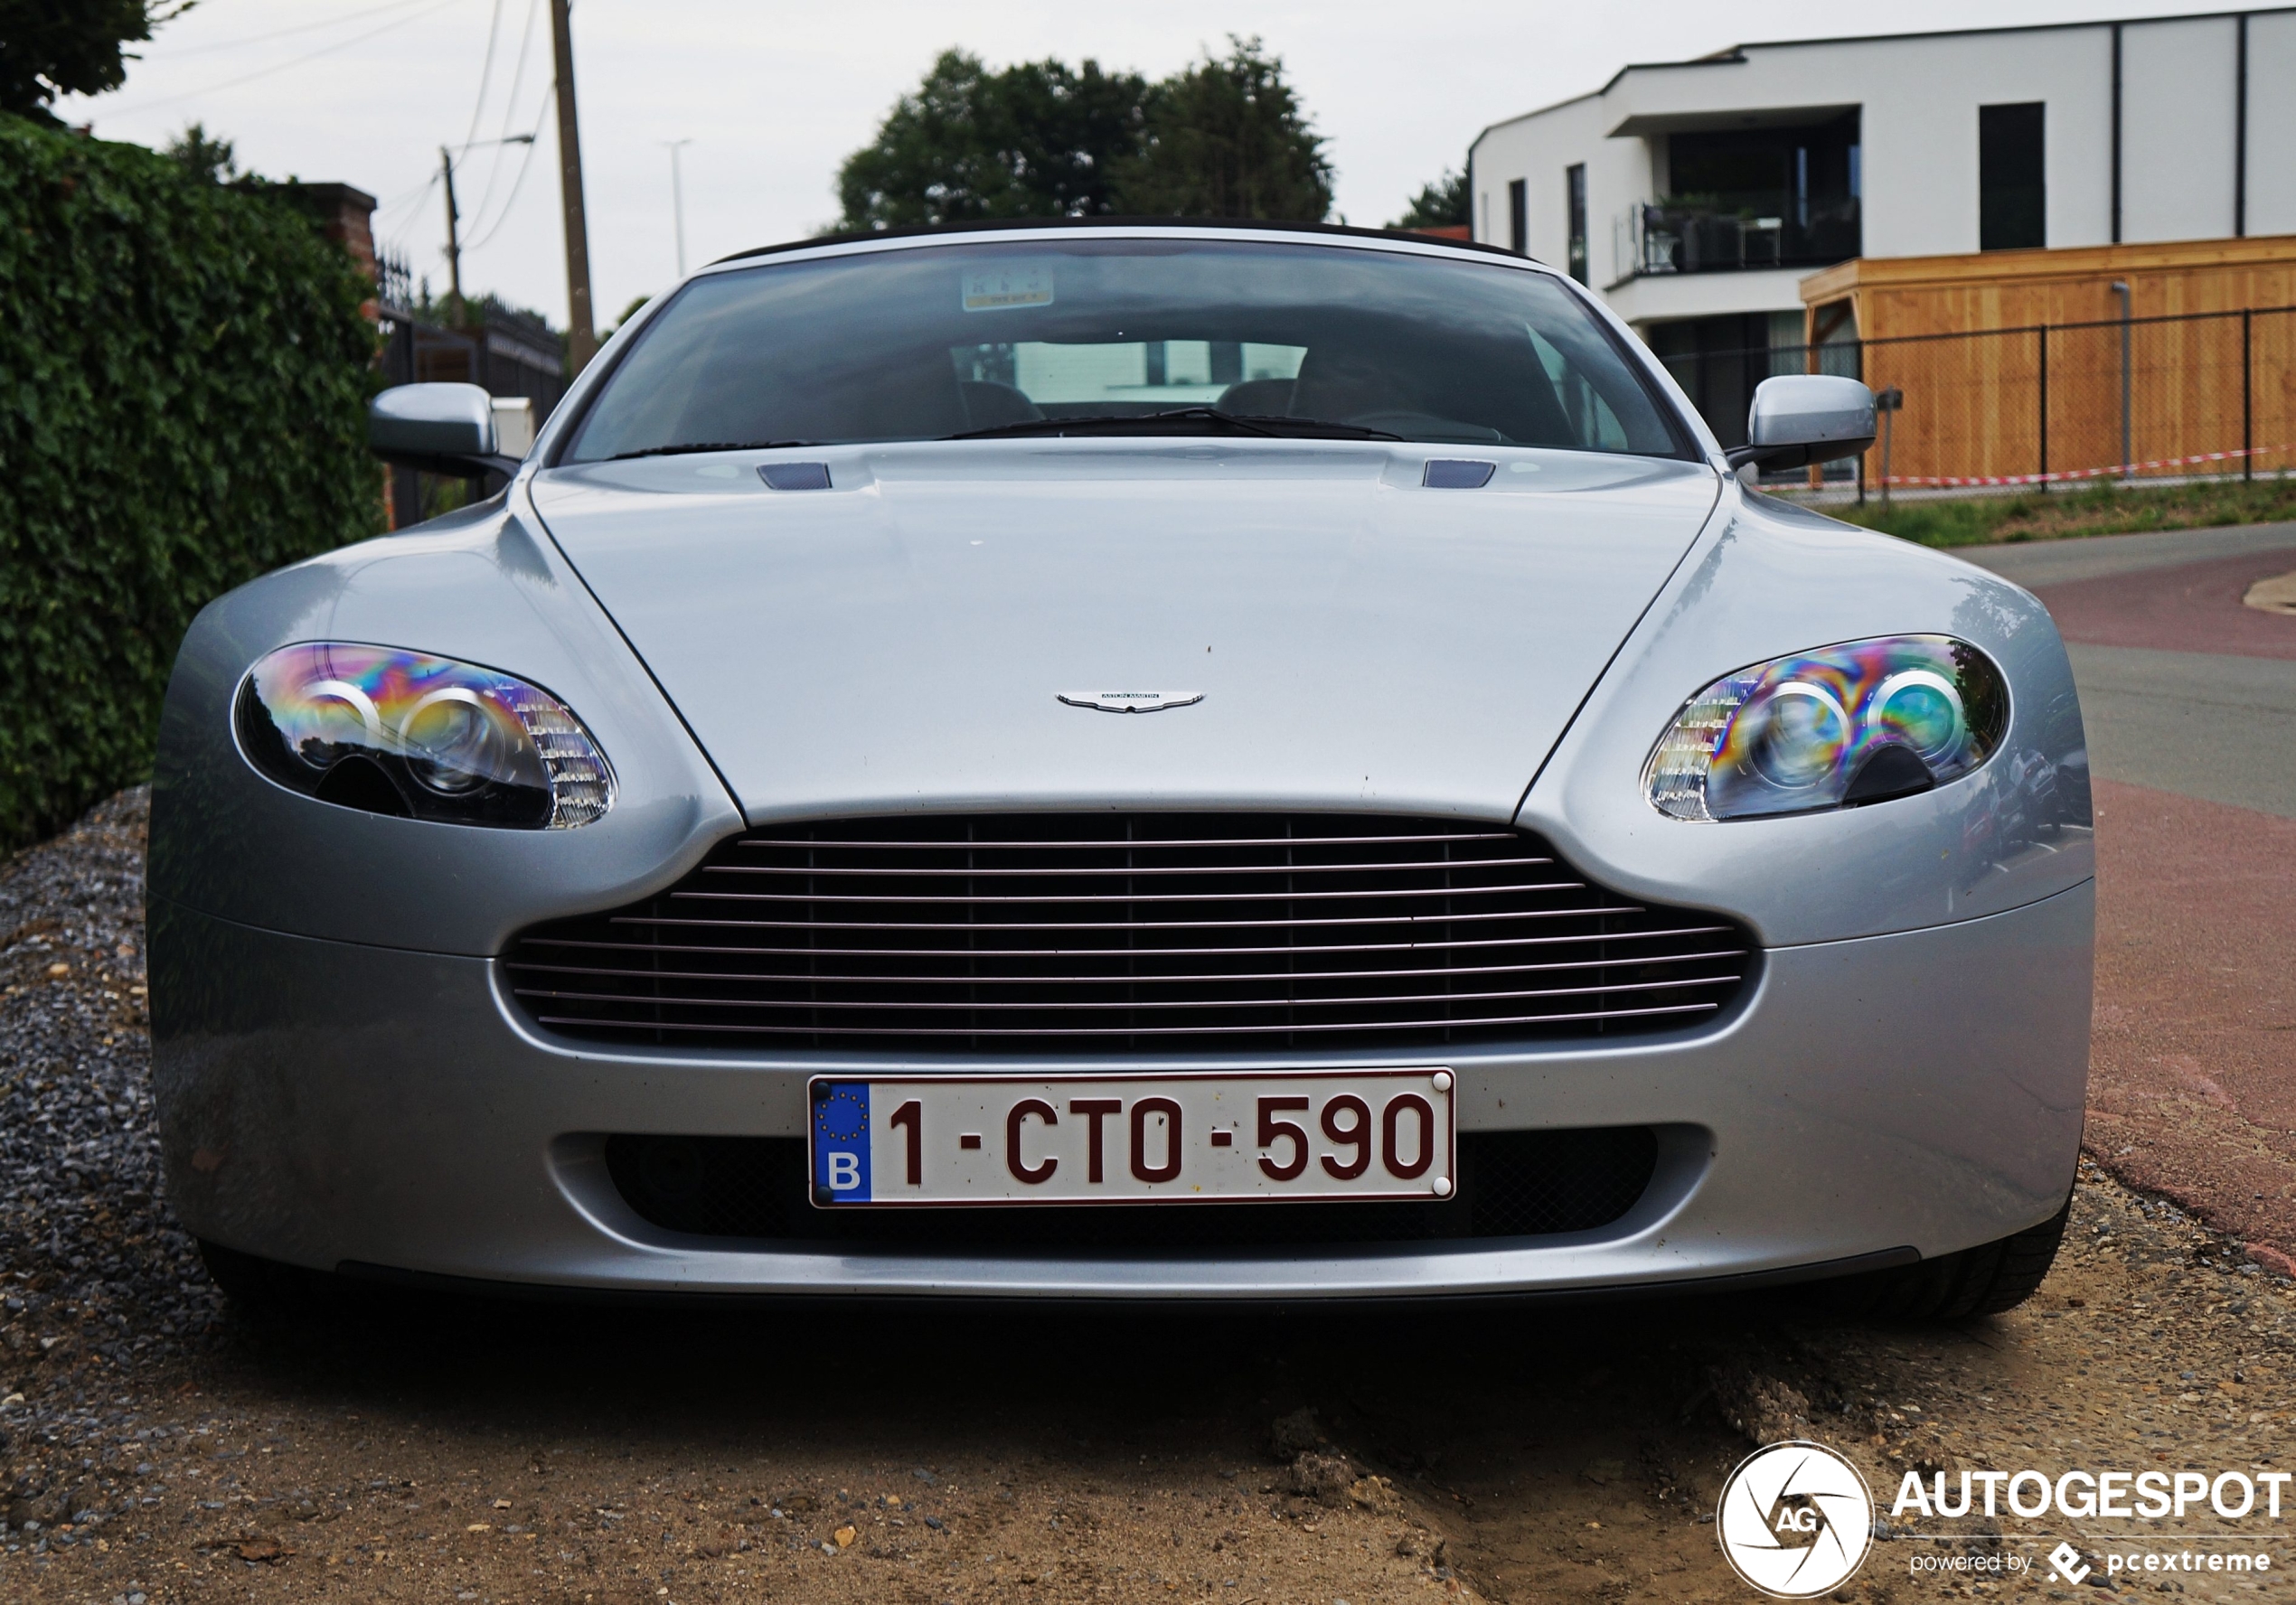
<point x="2210" y="393"/>
<point x="504" y="353"/>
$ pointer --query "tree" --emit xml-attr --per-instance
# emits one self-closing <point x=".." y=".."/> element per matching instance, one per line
<point x="49" y="48"/>
<point x="637" y="304"/>
<point x="204" y="157"/>
<point x="1033" y="140"/>
<point x="1442" y="204"/>
<point x="1229" y="139"/>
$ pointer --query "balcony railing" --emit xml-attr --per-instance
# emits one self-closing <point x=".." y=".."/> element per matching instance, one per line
<point x="1656" y="239"/>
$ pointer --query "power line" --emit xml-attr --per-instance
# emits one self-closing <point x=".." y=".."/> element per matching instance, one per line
<point x="223" y="44"/>
<point x="532" y="140"/>
<point x="232" y="83"/>
<point x="510" y="110"/>
<point x="485" y="72"/>
<point x="418" y="194"/>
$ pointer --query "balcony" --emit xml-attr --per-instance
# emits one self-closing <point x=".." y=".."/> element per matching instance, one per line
<point x="1671" y="237"/>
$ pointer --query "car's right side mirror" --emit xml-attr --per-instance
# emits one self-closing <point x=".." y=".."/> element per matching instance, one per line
<point x="1798" y="419"/>
<point x="439" y="428"/>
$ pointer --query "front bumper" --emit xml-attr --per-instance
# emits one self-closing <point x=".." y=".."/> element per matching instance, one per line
<point x="327" y="1103"/>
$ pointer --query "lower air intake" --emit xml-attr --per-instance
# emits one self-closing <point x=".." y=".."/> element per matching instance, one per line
<point x="1511" y="1184"/>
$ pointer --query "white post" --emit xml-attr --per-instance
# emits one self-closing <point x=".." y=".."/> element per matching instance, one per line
<point x="677" y="199"/>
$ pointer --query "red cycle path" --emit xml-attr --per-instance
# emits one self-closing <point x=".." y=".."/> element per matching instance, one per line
<point x="2195" y="607"/>
<point x="2192" y="1074"/>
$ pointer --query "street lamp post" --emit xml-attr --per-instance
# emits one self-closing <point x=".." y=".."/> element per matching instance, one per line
<point x="677" y="198"/>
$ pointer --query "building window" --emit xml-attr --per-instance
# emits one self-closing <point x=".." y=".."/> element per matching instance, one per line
<point x="2012" y="192"/>
<point x="1763" y="197"/>
<point x="1518" y="217"/>
<point x="1575" y="194"/>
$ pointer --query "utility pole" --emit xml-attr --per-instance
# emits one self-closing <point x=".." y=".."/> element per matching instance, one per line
<point x="677" y="199"/>
<point x="581" y="328"/>
<point x="454" y="242"/>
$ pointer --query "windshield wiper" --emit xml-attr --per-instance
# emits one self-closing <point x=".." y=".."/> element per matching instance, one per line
<point x="1309" y="427"/>
<point x="1272" y="425"/>
<point x="708" y="445"/>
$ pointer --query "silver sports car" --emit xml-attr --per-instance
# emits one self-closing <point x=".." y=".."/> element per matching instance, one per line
<point x="1113" y="761"/>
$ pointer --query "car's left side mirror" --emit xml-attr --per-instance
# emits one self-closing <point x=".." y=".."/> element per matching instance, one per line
<point x="1798" y="419"/>
<point x="439" y="428"/>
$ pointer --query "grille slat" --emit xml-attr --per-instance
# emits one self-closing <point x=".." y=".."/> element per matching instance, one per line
<point x="1070" y="952"/>
<point x="1070" y="1028"/>
<point x="1136" y="979"/>
<point x="1049" y="899"/>
<point x="1404" y="920"/>
<point x="1142" y="1004"/>
<point x="1036" y="933"/>
<point x="753" y="840"/>
<point x="1076" y="873"/>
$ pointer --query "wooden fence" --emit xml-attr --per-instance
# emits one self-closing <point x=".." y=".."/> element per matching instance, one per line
<point x="2211" y="392"/>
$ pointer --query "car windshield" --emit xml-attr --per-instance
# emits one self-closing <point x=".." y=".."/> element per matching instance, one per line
<point x="1102" y="336"/>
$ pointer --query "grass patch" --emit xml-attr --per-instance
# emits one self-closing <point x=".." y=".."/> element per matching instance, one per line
<point x="2103" y="509"/>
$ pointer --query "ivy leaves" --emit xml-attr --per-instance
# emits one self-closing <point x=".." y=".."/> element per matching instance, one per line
<point x="183" y="374"/>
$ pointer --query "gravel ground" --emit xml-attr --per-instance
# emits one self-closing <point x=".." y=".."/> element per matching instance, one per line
<point x="159" y="1449"/>
<point x="100" y="1287"/>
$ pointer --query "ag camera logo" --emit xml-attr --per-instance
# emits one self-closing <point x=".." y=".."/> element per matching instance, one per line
<point x="1795" y="1520"/>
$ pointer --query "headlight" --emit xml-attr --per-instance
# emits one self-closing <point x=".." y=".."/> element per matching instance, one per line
<point x="1831" y="728"/>
<point x="398" y="732"/>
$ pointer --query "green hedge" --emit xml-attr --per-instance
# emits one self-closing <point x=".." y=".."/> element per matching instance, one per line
<point x="183" y="374"/>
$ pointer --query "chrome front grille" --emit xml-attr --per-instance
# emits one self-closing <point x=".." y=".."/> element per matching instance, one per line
<point x="1110" y="933"/>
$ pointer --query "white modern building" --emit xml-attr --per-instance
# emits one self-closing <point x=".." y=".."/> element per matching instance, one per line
<point x="1694" y="196"/>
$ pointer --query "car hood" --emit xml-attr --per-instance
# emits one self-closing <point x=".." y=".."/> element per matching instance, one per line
<point x="902" y="640"/>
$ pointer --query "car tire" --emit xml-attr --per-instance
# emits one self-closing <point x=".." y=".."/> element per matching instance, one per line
<point x="1986" y="1280"/>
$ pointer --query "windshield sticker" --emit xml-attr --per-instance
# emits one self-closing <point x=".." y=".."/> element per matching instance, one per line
<point x="999" y="290"/>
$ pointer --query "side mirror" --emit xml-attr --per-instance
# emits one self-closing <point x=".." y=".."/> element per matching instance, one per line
<point x="1799" y="419"/>
<point x="439" y="428"/>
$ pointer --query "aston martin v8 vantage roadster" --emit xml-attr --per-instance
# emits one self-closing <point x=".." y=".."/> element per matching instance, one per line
<point x="1126" y="761"/>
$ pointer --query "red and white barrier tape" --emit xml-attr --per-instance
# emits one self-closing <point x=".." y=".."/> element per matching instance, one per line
<point x="2117" y="468"/>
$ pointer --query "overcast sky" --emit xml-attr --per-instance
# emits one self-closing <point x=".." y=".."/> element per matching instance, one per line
<point x="775" y="94"/>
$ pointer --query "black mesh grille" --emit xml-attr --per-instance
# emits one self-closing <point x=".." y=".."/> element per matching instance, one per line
<point x="1112" y="932"/>
<point x="1511" y="1184"/>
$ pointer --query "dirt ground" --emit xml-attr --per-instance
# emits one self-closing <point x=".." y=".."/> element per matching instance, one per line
<point x="158" y="1449"/>
<point x="519" y="1453"/>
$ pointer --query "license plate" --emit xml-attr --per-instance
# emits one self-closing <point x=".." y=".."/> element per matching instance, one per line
<point x="1212" y="1138"/>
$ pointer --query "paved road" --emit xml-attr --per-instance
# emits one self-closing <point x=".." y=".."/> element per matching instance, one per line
<point x="2184" y="689"/>
<point x="2190" y="703"/>
<point x="2037" y="564"/>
